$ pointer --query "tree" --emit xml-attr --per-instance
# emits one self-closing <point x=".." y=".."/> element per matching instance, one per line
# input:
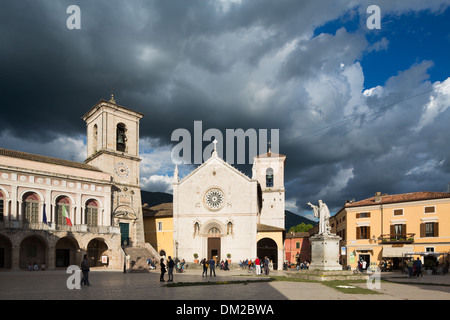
<point x="302" y="227"/>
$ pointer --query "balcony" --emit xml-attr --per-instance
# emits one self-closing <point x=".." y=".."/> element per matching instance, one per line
<point x="397" y="238"/>
<point x="22" y="225"/>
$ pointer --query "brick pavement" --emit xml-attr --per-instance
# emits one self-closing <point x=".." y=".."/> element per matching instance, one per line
<point x="135" y="286"/>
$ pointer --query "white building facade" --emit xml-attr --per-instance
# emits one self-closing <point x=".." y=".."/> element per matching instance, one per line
<point x="219" y="212"/>
<point x="53" y="211"/>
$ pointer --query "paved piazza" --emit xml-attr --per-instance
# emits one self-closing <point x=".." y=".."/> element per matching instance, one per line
<point x="43" y="285"/>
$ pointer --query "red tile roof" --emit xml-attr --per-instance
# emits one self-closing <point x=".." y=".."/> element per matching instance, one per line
<point x="292" y="235"/>
<point x="264" y="227"/>
<point x="396" y="198"/>
<point x="160" y="210"/>
<point x="45" y="159"/>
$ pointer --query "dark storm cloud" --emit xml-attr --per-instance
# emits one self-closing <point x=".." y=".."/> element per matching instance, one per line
<point x="231" y="64"/>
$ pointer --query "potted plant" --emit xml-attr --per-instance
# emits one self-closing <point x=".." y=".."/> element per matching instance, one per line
<point x="429" y="267"/>
<point x="229" y="258"/>
<point x="195" y="258"/>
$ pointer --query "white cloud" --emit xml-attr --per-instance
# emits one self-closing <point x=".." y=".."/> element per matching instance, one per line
<point x="157" y="183"/>
<point x="155" y="159"/>
<point x="62" y="147"/>
<point x="439" y="102"/>
<point x="337" y="183"/>
<point x="429" y="166"/>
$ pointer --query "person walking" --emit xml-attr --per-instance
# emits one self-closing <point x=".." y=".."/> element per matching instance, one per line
<point x="419" y="267"/>
<point x="205" y="267"/>
<point x="85" y="270"/>
<point x="258" y="266"/>
<point x="364" y="265"/>
<point x="170" y="265"/>
<point x="410" y="265"/>
<point x="163" y="270"/>
<point x="266" y="265"/>
<point x="212" y="267"/>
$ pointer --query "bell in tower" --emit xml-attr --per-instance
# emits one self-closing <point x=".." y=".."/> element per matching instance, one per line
<point x="121" y="138"/>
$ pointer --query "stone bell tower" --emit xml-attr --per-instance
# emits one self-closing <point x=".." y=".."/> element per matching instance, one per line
<point x="268" y="170"/>
<point x="113" y="147"/>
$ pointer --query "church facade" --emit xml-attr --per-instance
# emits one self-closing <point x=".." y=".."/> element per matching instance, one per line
<point x="220" y="213"/>
<point x="53" y="211"/>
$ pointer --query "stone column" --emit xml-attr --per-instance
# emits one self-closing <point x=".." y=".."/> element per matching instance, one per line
<point x="15" y="250"/>
<point x="325" y="252"/>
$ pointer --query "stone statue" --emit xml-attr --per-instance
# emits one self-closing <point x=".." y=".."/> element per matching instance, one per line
<point x="321" y="211"/>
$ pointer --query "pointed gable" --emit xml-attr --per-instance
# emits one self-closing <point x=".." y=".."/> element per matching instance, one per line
<point x="215" y="160"/>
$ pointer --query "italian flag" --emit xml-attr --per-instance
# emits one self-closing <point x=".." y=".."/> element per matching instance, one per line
<point x="66" y="215"/>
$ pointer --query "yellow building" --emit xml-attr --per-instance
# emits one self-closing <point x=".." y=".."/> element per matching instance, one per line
<point x="394" y="228"/>
<point x="158" y="228"/>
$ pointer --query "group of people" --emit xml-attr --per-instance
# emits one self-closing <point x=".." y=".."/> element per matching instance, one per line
<point x="224" y="265"/>
<point x="263" y="265"/>
<point x="362" y="265"/>
<point x="151" y="263"/>
<point x="170" y="266"/>
<point x="414" y="267"/>
<point x="258" y="265"/>
<point x="385" y="265"/>
<point x="211" y="264"/>
<point x="35" y="267"/>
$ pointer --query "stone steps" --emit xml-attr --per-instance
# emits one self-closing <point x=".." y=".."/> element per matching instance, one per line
<point x="138" y="258"/>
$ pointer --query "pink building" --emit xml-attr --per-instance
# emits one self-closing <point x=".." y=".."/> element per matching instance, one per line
<point x="297" y="247"/>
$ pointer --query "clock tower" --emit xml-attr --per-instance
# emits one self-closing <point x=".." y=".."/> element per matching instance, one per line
<point x="113" y="147"/>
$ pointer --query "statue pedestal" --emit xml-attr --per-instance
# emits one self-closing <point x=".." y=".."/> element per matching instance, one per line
<point x="325" y="252"/>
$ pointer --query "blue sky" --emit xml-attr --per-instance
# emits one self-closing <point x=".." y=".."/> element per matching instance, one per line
<point x="412" y="37"/>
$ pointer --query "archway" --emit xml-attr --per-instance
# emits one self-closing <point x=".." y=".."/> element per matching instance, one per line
<point x="214" y="244"/>
<point x="66" y="252"/>
<point x="32" y="250"/>
<point x="5" y="252"/>
<point x="267" y="247"/>
<point x="96" y="248"/>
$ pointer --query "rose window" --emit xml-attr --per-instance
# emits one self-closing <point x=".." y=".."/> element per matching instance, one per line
<point x="214" y="199"/>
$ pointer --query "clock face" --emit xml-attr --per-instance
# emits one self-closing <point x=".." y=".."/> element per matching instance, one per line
<point x="214" y="199"/>
<point x="122" y="170"/>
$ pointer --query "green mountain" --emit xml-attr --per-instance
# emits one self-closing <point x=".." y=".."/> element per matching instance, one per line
<point x="292" y="219"/>
<point x="155" y="198"/>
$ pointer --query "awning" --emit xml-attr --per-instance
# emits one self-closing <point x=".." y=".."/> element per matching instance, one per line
<point x="436" y="254"/>
<point x="396" y="252"/>
<point x="364" y="249"/>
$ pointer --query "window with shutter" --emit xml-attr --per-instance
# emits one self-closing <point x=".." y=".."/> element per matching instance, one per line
<point x="363" y="232"/>
<point x="363" y="215"/>
<point x="431" y="209"/>
<point x="422" y="230"/>
<point x="31" y="208"/>
<point x="429" y="229"/>
<point x="91" y="212"/>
